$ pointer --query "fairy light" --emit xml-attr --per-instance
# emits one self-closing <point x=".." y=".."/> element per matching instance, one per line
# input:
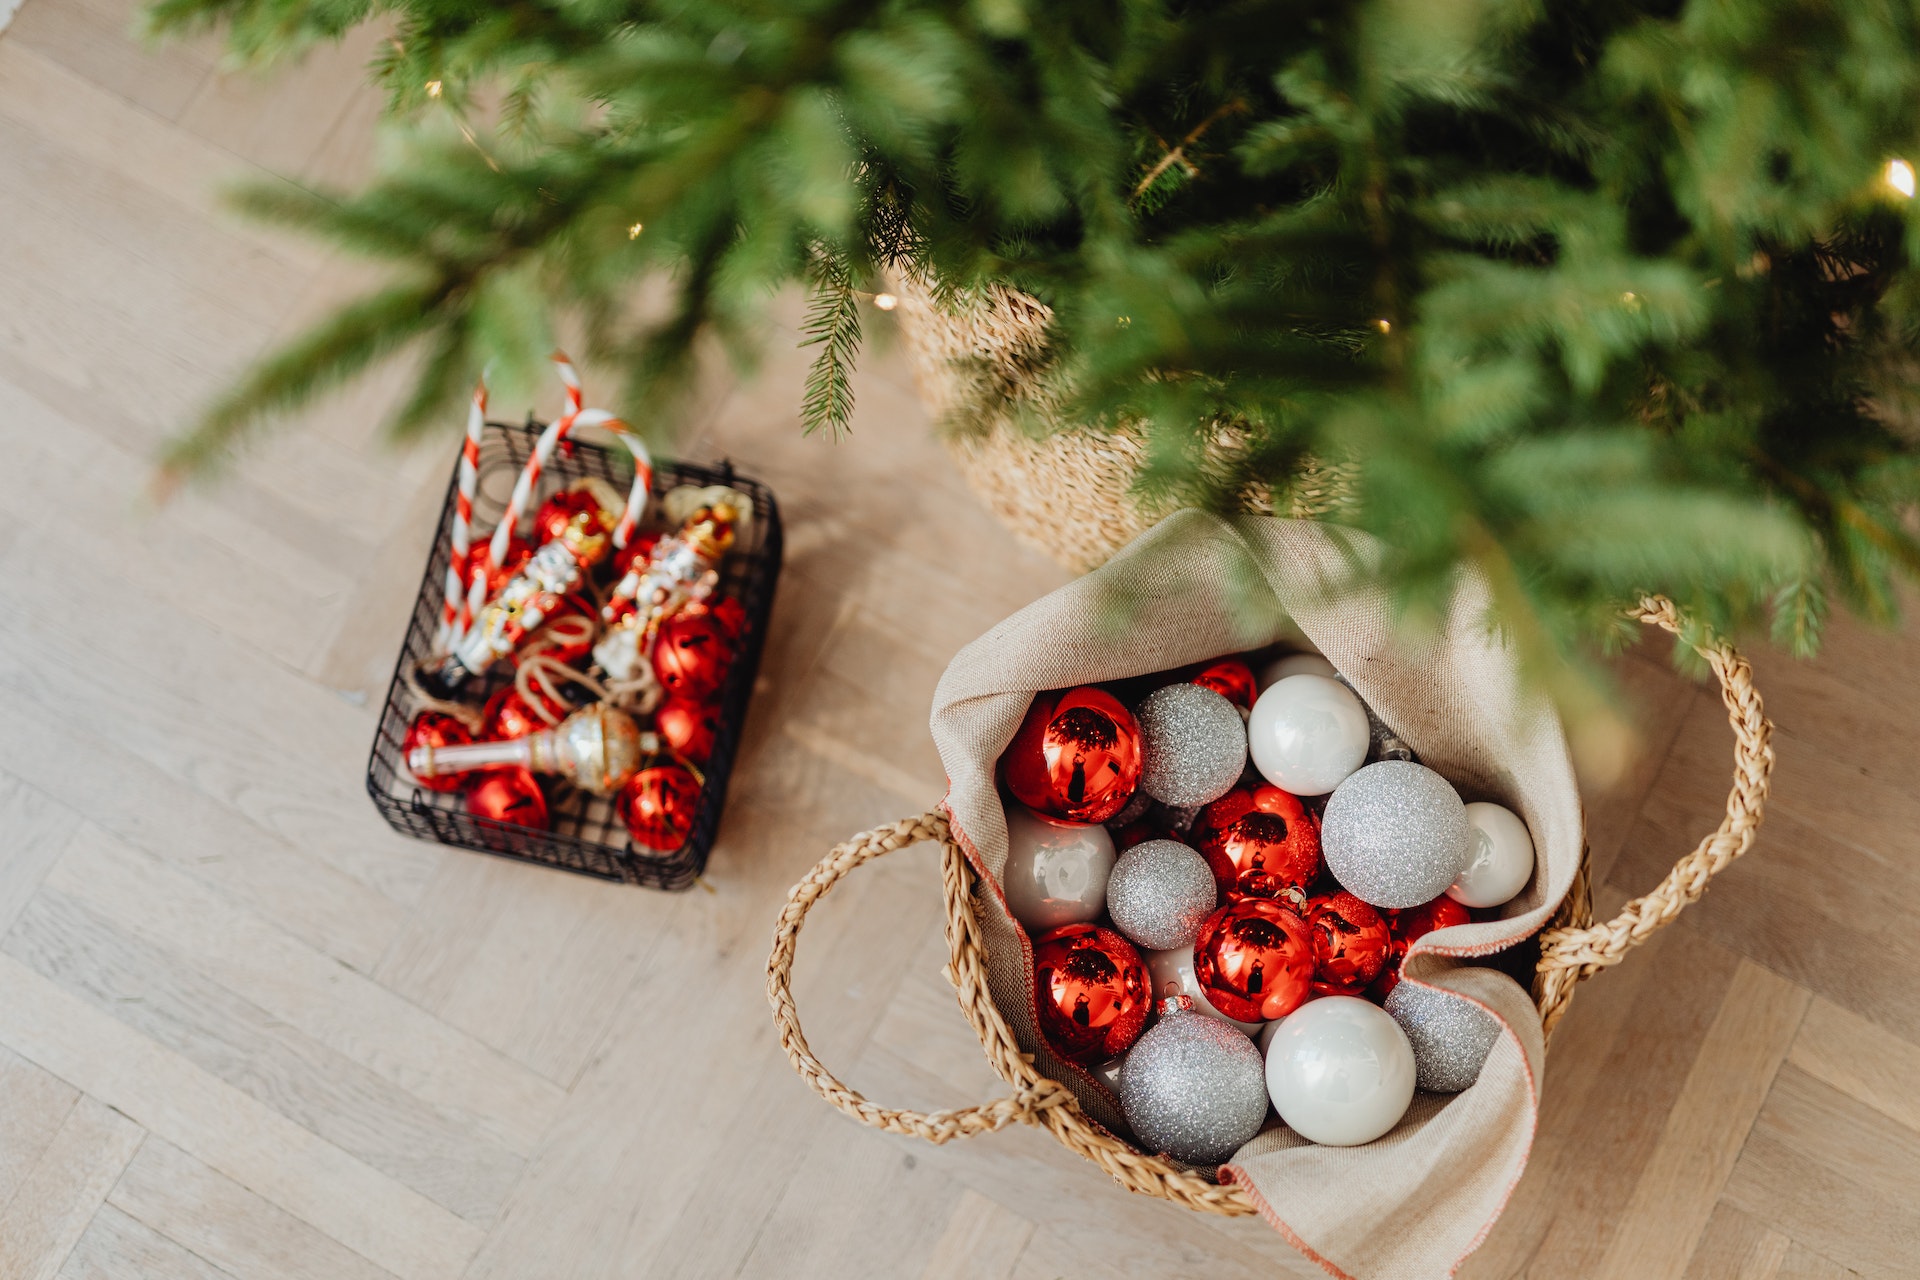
<point x="433" y="91"/>
<point x="1384" y="326"/>
<point x="885" y="301"/>
<point x="633" y="232"/>
<point x="1900" y="177"/>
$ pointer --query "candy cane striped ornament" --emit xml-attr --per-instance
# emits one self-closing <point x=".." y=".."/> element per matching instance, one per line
<point x="457" y="615"/>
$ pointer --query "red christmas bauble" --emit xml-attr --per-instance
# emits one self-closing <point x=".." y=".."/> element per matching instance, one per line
<point x="1232" y="679"/>
<point x="507" y="795"/>
<point x="1404" y="928"/>
<point x="691" y="655"/>
<point x="1076" y="756"/>
<point x="433" y="729"/>
<point x="688" y="725"/>
<point x="1148" y="826"/>
<point x="1254" y="960"/>
<point x="576" y="516"/>
<point x="1350" y="944"/>
<point x="1260" y="842"/>
<point x="725" y="610"/>
<point x="639" y="549"/>
<point x="574" y="605"/>
<point x="498" y="575"/>
<point x="1092" y="990"/>
<point x="659" y="804"/>
<point x="509" y="716"/>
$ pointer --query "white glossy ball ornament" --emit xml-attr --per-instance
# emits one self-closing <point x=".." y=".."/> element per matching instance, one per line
<point x="1294" y="664"/>
<point x="1307" y="733"/>
<point x="1499" y="857"/>
<point x="1171" y="972"/>
<point x="1395" y="834"/>
<point x="1340" y="1071"/>
<point x="1056" y="871"/>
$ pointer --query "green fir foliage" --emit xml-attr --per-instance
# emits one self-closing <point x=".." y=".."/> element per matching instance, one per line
<point x="1597" y="296"/>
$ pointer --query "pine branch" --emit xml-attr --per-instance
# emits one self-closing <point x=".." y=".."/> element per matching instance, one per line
<point x="833" y="324"/>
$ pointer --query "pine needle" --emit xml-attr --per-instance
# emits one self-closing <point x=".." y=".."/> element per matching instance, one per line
<point x="833" y="324"/>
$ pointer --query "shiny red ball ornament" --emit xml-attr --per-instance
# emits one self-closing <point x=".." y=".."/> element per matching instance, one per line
<point x="1254" y="960"/>
<point x="433" y="729"/>
<point x="639" y="548"/>
<point x="1092" y="990"/>
<point x="509" y="715"/>
<point x="1350" y="944"/>
<point x="574" y="511"/>
<point x="519" y="551"/>
<point x="1407" y="926"/>
<point x="1232" y="679"/>
<point x="506" y="795"/>
<point x="659" y="804"/>
<point x="688" y="725"/>
<point x="725" y="610"/>
<point x="1148" y="826"/>
<point x="1260" y="842"/>
<point x="691" y="655"/>
<point x="1075" y="757"/>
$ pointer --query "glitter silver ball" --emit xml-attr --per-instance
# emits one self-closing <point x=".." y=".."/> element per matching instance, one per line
<point x="1395" y="834"/>
<point x="1451" y="1035"/>
<point x="1193" y="745"/>
<point x="1193" y="1088"/>
<point x="1160" y="893"/>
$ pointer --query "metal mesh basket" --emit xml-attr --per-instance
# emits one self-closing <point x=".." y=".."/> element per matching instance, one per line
<point x="587" y="836"/>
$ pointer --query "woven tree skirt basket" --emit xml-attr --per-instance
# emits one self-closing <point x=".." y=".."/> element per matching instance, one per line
<point x="1398" y="1214"/>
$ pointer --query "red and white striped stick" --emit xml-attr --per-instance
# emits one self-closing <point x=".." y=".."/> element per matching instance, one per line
<point x="457" y="615"/>
<point x="542" y="453"/>
<point x="642" y="487"/>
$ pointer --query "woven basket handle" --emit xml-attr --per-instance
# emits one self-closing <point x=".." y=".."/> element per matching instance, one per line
<point x="935" y="1126"/>
<point x="1568" y="956"/>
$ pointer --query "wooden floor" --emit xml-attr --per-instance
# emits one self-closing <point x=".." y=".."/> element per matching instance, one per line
<point x="246" y="1032"/>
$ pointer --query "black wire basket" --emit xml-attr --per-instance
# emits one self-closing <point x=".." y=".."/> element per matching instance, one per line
<point x="586" y="836"/>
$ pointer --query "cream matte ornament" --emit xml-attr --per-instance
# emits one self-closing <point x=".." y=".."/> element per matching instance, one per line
<point x="1307" y="733"/>
<point x="1450" y="1034"/>
<point x="1499" y="857"/>
<point x="1340" y="1071"/>
<point x="1160" y="893"/>
<point x="1193" y="745"/>
<point x="1056" y="871"/>
<point x="1295" y="664"/>
<point x="1192" y="1088"/>
<point x="1395" y="834"/>
<point x="1171" y="972"/>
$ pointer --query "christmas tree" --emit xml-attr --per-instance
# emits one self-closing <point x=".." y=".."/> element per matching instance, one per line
<point x="1596" y="296"/>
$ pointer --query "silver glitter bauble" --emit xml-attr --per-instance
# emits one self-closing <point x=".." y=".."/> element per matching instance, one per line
<point x="1134" y="809"/>
<point x="1192" y="1087"/>
<point x="1193" y="745"/>
<point x="1395" y="834"/>
<point x="1159" y="894"/>
<point x="1450" y="1034"/>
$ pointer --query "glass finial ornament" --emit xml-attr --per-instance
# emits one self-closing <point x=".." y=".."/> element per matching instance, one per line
<point x="1307" y="733"/>
<point x="1395" y="834"/>
<point x="1192" y="1087"/>
<point x="597" y="749"/>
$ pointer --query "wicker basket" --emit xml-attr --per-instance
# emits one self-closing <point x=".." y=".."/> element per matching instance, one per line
<point x="1572" y="948"/>
<point x="981" y="360"/>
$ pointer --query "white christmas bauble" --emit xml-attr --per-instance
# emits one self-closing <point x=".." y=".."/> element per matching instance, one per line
<point x="1172" y="974"/>
<point x="1307" y="733"/>
<point x="1395" y="834"/>
<point x="1108" y="1073"/>
<point x="1193" y="745"/>
<point x="1340" y="1071"/>
<point x="1294" y="664"/>
<point x="1056" y="871"/>
<point x="1499" y="857"/>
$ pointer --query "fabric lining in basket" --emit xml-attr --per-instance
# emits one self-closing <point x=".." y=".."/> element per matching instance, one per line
<point x="1196" y="586"/>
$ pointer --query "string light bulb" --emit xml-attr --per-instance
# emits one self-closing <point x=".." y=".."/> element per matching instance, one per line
<point x="633" y="232"/>
<point x="1900" y="177"/>
<point x="1384" y="326"/>
<point x="434" y="86"/>
<point x="885" y="301"/>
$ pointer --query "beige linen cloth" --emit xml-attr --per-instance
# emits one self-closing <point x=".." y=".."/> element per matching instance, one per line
<point x="1415" y="1203"/>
